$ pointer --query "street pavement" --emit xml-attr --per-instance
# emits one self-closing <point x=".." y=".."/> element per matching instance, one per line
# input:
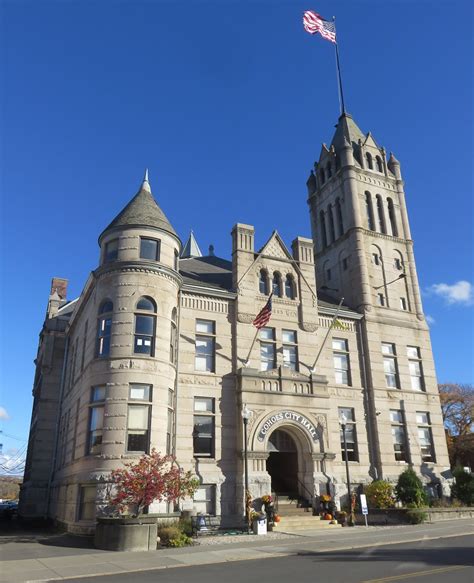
<point x="48" y="556"/>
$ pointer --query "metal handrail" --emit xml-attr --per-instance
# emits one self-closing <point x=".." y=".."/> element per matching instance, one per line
<point x="311" y="496"/>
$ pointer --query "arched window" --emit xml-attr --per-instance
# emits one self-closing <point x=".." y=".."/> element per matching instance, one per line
<point x="289" y="287"/>
<point x="328" y="170"/>
<point x="378" y="161"/>
<point x="104" y="329"/>
<point x="340" y="224"/>
<point x="370" y="211"/>
<point x="380" y="214"/>
<point x="263" y="282"/>
<point x="322" y="224"/>
<point x="322" y="176"/>
<point x="173" y="337"/>
<point x="276" y="284"/>
<point x="368" y="157"/>
<point x="145" y="324"/>
<point x="391" y="216"/>
<point x="331" y="224"/>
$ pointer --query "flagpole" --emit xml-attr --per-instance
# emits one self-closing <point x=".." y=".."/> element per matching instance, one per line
<point x="339" y="77"/>
<point x="313" y="368"/>
<point x="246" y="361"/>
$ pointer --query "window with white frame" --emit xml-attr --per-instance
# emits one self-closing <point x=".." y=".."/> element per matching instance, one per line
<point x="205" y="346"/>
<point x="96" y="420"/>
<point x="403" y="304"/>
<point x="425" y="436"/>
<point x="104" y="329"/>
<point x="380" y="299"/>
<point x="390" y="365"/>
<point x="138" y="422"/>
<point x="290" y="349"/>
<point x="204" y="427"/>
<point x="204" y="501"/>
<point x="399" y="435"/>
<point x="267" y="348"/>
<point x="340" y="355"/>
<point x="346" y="416"/>
<point x="416" y="368"/>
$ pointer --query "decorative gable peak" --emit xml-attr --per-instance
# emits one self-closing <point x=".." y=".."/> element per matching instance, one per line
<point x="275" y="247"/>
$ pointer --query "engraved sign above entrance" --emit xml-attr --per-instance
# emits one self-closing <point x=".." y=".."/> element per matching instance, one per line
<point x="291" y="416"/>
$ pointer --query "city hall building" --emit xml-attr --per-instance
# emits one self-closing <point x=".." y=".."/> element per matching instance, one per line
<point x="159" y="351"/>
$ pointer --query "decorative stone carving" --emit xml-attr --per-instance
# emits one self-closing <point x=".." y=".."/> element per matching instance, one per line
<point x="309" y="326"/>
<point x="245" y="318"/>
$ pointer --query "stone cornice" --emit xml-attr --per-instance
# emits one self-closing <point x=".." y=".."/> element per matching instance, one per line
<point x="139" y="267"/>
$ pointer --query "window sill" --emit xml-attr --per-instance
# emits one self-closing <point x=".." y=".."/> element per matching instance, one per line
<point x="205" y="459"/>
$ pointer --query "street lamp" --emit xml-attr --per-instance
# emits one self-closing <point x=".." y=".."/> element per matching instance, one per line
<point x="246" y="415"/>
<point x="343" y="424"/>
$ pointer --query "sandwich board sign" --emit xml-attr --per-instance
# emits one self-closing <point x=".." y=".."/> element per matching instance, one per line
<point x="363" y="505"/>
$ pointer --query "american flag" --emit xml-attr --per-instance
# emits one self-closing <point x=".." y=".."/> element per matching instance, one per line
<point x="314" y="23"/>
<point x="263" y="317"/>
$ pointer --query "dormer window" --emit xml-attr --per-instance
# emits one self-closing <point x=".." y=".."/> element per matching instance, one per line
<point x="111" y="251"/>
<point x="263" y="282"/>
<point x="150" y="249"/>
<point x="370" y="164"/>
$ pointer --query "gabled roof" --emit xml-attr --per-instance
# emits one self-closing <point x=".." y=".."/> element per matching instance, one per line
<point x="348" y="130"/>
<point x="191" y="249"/>
<point x="275" y="247"/>
<point x="142" y="211"/>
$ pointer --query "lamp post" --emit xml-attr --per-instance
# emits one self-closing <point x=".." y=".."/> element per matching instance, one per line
<point x="343" y="423"/>
<point x="246" y="415"/>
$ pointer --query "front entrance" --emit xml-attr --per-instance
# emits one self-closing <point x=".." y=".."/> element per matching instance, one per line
<point x="282" y="463"/>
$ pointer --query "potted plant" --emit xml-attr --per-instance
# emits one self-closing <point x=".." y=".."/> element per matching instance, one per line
<point x="151" y="478"/>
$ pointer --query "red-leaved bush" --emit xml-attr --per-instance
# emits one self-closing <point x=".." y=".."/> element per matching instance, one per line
<point x="151" y="478"/>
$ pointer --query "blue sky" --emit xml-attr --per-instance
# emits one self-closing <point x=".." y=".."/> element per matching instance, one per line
<point x="227" y="104"/>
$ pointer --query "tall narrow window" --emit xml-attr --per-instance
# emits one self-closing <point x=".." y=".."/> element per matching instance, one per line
<point x="263" y="282"/>
<point x="138" y="417"/>
<point x="104" y="329"/>
<point x="347" y="414"/>
<point x="399" y="436"/>
<point x="390" y="365"/>
<point x="380" y="214"/>
<point x="378" y="161"/>
<point x="290" y="350"/>
<point x="322" y="224"/>
<point x="370" y="164"/>
<point x="111" y="251"/>
<point x="289" y="287"/>
<point x="173" y="337"/>
<point x="170" y="422"/>
<point x="204" y="427"/>
<point x="150" y="249"/>
<point x="84" y="344"/>
<point x="416" y="369"/>
<point x="391" y="216"/>
<point x="96" y="420"/>
<point x="276" y="284"/>
<point x="425" y="436"/>
<point x="370" y="211"/>
<point x="205" y="346"/>
<point x="403" y="304"/>
<point x="328" y="170"/>
<point x="144" y="341"/>
<point x="176" y="260"/>
<point x="267" y="349"/>
<point x="340" y="224"/>
<point x="340" y="355"/>
<point x="332" y="229"/>
<point x="381" y="300"/>
<point x="322" y="176"/>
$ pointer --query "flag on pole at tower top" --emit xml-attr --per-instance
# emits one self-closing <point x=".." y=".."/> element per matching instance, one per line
<point x="314" y="23"/>
<point x="263" y="317"/>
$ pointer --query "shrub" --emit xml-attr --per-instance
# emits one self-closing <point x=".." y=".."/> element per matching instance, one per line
<point x="168" y="533"/>
<point x="180" y="541"/>
<point x="463" y="488"/>
<point x="185" y="525"/>
<point x="416" y="516"/>
<point x="409" y="490"/>
<point x="380" y="494"/>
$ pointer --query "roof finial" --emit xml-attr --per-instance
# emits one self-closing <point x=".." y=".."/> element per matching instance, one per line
<point x="146" y="184"/>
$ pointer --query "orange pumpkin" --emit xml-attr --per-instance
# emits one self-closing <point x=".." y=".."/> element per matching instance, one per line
<point x="328" y="517"/>
<point x="276" y="518"/>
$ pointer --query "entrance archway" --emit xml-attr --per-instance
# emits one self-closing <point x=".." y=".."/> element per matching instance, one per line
<point x="282" y="462"/>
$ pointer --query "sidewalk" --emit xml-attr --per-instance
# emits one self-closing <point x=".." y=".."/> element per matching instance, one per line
<point x="44" y="557"/>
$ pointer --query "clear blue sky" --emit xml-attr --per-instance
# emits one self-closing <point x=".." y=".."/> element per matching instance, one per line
<point x="227" y="103"/>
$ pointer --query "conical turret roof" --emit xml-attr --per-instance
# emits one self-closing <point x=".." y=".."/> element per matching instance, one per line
<point x="346" y="130"/>
<point x="141" y="211"/>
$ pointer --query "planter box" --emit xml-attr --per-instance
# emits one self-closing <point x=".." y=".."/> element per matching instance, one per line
<point x="126" y="534"/>
<point x="399" y="515"/>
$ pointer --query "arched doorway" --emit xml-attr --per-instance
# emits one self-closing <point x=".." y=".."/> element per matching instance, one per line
<point x="282" y="462"/>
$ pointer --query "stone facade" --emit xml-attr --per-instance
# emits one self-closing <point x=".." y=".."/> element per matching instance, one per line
<point x="160" y="353"/>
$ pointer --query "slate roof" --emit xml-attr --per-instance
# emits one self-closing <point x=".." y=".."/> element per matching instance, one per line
<point x="142" y="211"/>
<point x="209" y="271"/>
<point x="346" y="128"/>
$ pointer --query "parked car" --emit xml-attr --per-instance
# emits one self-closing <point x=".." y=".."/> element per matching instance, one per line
<point x="8" y="509"/>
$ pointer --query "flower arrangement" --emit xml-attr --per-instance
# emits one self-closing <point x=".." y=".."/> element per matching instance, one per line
<point x="325" y="498"/>
<point x="255" y="515"/>
<point x="267" y="499"/>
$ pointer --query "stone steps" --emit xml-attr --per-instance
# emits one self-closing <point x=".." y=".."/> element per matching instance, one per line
<point x="308" y="522"/>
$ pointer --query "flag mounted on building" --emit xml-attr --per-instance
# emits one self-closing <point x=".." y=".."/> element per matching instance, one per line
<point x="263" y="317"/>
<point x="314" y="23"/>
